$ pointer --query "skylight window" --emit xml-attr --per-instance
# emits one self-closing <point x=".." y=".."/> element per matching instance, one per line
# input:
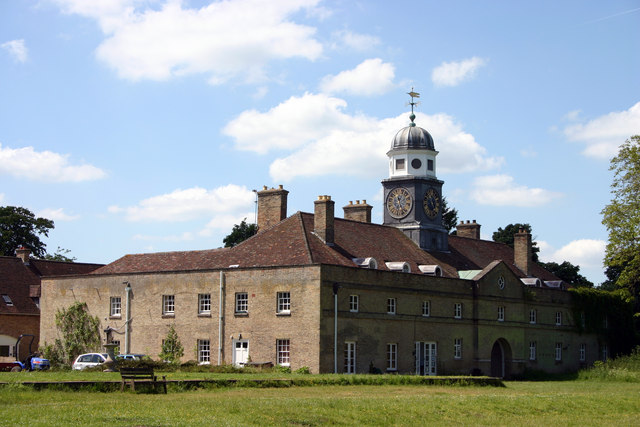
<point x="7" y="300"/>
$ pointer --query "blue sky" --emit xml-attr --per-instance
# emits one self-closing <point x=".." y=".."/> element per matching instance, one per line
<point x="143" y="126"/>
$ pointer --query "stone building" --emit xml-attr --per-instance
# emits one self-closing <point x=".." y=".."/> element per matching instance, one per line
<point x="344" y="294"/>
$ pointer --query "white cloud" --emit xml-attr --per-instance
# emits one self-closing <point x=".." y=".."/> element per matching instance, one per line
<point x="454" y="73"/>
<point x="1" y="197"/>
<point x="57" y="215"/>
<point x="501" y="190"/>
<point x="355" y="41"/>
<point x="587" y="253"/>
<point x="44" y="166"/>
<point x="371" y="77"/>
<point x="603" y="135"/>
<point x="325" y="140"/>
<point x="225" y="223"/>
<point x="17" y="49"/>
<point x="222" y="40"/>
<point x="189" y="204"/>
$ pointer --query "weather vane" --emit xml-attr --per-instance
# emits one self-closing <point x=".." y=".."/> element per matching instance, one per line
<point x="413" y="103"/>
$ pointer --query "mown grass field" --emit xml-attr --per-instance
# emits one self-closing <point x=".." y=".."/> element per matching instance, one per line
<point x="608" y="394"/>
<point x="578" y="402"/>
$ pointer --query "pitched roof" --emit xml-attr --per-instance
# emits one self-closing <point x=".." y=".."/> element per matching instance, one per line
<point x="293" y="242"/>
<point x="21" y="282"/>
<point x="43" y="267"/>
<point x="15" y="282"/>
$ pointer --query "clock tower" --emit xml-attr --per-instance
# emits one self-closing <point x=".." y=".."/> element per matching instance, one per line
<point x="412" y="193"/>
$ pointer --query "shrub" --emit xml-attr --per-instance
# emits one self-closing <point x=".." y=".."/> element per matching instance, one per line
<point x="303" y="370"/>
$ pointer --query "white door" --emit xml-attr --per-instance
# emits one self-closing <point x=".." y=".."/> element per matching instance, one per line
<point x="426" y="358"/>
<point x="240" y="352"/>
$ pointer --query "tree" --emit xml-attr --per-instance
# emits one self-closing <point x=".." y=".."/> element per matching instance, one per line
<point x="60" y="255"/>
<point x="240" y="233"/>
<point x="20" y="227"/>
<point x="449" y="216"/>
<point x="506" y="236"/>
<point x="621" y="217"/>
<point x="80" y="334"/>
<point x="172" y="349"/>
<point x="568" y="273"/>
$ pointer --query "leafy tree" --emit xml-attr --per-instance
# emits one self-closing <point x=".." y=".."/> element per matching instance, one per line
<point x="172" y="349"/>
<point x="612" y="273"/>
<point x="20" y="227"/>
<point x="506" y="236"/>
<point x="80" y="334"/>
<point x="622" y="219"/>
<point x="240" y="233"/>
<point x="449" y="217"/>
<point x="60" y="255"/>
<point x="569" y="273"/>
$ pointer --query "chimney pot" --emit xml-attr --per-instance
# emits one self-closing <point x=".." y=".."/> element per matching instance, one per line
<point x="469" y="230"/>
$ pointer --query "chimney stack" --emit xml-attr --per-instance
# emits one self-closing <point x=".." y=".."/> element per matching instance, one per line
<point x="323" y="219"/>
<point x="272" y="207"/>
<point x="470" y="229"/>
<point x="23" y="253"/>
<point x="358" y="211"/>
<point x="522" y="251"/>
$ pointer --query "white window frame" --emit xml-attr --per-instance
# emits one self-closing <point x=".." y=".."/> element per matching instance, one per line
<point x="354" y="301"/>
<point x="457" y="348"/>
<point x="501" y="313"/>
<point x="533" y="316"/>
<point x="533" y="353"/>
<point x="283" y="352"/>
<point x="558" y="318"/>
<point x="242" y="302"/>
<point x="457" y="310"/>
<point x="115" y="307"/>
<point x="583" y="352"/>
<point x="392" y="357"/>
<point x="204" y="352"/>
<point x="283" y="301"/>
<point x="426" y="308"/>
<point x="349" y="357"/>
<point x="558" y="352"/>
<point x="204" y="303"/>
<point x="391" y="305"/>
<point x="7" y="300"/>
<point x="168" y="305"/>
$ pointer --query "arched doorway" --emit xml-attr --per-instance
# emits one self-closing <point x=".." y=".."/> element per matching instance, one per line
<point x="501" y="359"/>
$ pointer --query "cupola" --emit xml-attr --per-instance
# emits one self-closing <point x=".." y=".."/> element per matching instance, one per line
<point x="412" y="150"/>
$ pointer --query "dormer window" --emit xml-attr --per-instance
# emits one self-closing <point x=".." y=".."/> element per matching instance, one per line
<point x="431" y="270"/>
<point x="399" y="266"/>
<point x="368" y="262"/>
<point x="7" y="300"/>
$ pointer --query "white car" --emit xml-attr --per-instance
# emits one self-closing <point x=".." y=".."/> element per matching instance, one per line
<point x="89" y="359"/>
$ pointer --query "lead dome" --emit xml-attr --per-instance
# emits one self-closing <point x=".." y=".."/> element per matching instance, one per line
<point x="412" y="137"/>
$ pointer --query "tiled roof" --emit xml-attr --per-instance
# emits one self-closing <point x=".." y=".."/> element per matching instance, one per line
<point x="43" y="267"/>
<point x="21" y="282"/>
<point x="16" y="281"/>
<point x="292" y="242"/>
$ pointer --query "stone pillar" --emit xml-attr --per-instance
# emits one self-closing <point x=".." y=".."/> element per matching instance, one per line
<point x="358" y="211"/>
<point x="522" y="251"/>
<point x="324" y="219"/>
<point x="272" y="207"/>
<point x="470" y="230"/>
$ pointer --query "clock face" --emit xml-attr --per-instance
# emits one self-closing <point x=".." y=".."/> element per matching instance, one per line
<point x="431" y="203"/>
<point x="399" y="202"/>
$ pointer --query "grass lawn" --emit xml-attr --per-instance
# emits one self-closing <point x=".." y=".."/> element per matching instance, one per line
<point x="519" y="403"/>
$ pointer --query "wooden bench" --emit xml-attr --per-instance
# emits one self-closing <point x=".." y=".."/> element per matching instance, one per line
<point x="131" y="375"/>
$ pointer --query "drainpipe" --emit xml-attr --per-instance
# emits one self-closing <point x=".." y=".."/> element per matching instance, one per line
<point x="127" y="337"/>
<point x="221" y="317"/>
<point x="335" y="328"/>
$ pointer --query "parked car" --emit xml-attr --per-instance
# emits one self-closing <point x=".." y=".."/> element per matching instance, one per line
<point x="130" y="357"/>
<point x="89" y="359"/>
